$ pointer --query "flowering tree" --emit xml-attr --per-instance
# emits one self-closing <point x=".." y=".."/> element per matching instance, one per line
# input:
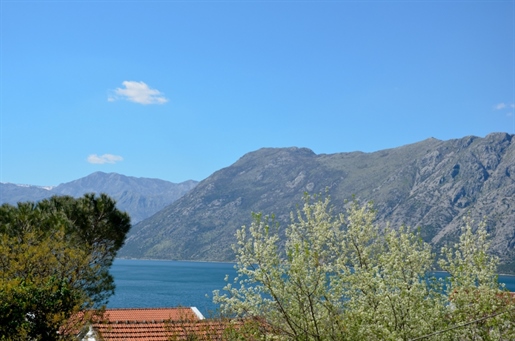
<point x="339" y="277"/>
<point x="479" y="305"/>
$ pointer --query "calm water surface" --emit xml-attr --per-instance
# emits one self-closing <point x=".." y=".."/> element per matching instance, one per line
<point x="151" y="283"/>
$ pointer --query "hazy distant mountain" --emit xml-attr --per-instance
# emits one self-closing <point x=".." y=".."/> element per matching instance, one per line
<point x="431" y="184"/>
<point x="12" y="193"/>
<point x="140" y="197"/>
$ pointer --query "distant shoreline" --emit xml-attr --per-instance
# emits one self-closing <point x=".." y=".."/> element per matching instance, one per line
<point x="175" y="260"/>
<point x="220" y="262"/>
<point x="509" y="275"/>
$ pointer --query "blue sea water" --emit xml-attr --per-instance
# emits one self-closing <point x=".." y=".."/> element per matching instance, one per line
<point x="153" y="283"/>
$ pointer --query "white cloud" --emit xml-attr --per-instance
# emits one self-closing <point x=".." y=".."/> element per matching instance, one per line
<point x="106" y="158"/>
<point x="137" y="92"/>
<point x="503" y="105"/>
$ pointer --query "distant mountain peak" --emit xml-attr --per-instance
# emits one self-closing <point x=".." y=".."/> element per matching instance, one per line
<point x="140" y="197"/>
<point x="48" y="188"/>
<point x="429" y="184"/>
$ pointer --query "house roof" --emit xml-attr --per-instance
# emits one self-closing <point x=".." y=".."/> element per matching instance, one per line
<point x="152" y="314"/>
<point x="149" y="324"/>
<point x="164" y="331"/>
<point x="136" y="331"/>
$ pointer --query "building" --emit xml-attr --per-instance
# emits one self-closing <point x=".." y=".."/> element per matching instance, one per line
<point x="156" y="324"/>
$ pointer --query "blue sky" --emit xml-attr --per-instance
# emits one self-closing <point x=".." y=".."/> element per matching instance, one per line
<point x="179" y="89"/>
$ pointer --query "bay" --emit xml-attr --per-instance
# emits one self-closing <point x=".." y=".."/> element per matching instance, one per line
<point x="155" y="283"/>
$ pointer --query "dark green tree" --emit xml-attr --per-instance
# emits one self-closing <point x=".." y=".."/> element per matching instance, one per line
<point x="55" y="257"/>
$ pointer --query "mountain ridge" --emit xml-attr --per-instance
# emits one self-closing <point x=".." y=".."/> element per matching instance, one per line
<point x="431" y="184"/>
<point x="140" y="197"/>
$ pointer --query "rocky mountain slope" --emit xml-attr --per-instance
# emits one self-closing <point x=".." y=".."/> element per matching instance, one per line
<point x="431" y="184"/>
<point x="140" y="197"/>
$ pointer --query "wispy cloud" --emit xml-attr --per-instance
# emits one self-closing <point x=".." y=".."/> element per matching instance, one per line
<point x="106" y="158"/>
<point x="137" y="92"/>
<point x="503" y="105"/>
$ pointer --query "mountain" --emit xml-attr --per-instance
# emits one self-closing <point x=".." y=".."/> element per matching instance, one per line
<point x="431" y="184"/>
<point x="12" y="193"/>
<point x="140" y="197"/>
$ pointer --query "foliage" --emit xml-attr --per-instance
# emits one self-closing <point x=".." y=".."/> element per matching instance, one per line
<point x="474" y="290"/>
<point x="341" y="277"/>
<point x="54" y="262"/>
<point x="216" y="329"/>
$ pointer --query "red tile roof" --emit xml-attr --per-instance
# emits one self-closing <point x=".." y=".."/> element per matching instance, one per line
<point x="165" y="324"/>
<point x="140" y="331"/>
<point x="152" y="314"/>
<point x="163" y="331"/>
<point x="143" y="324"/>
